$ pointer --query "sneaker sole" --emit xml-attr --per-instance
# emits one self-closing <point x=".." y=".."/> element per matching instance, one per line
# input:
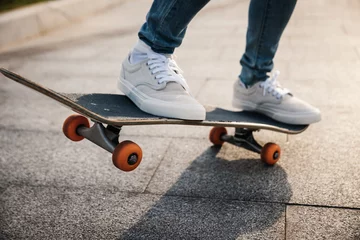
<point x="290" y="118"/>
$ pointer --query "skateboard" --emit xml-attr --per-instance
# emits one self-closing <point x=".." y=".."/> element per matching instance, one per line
<point x="111" y="112"/>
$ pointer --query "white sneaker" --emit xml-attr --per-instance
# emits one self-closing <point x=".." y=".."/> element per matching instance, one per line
<point x="271" y="99"/>
<point x="156" y="86"/>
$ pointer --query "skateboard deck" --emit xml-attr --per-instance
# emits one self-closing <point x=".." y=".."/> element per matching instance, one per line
<point x="117" y="111"/>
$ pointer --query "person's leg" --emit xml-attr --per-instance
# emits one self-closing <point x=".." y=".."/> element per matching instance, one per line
<point x="166" y="23"/>
<point x="267" y="21"/>
<point x="256" y="91"/>
<point x="150" y="76"/>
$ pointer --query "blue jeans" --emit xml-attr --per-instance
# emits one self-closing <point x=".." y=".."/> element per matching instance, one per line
<point x="167" y="21"/>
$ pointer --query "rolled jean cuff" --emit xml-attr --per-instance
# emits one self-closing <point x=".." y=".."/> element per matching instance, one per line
<point x="156" y="48"/>
<point x="251" y="76"/>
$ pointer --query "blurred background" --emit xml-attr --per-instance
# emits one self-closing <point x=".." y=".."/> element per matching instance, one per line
<point x="7" y="5"/>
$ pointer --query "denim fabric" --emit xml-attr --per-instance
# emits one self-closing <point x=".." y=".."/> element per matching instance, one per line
<point x="167" y="21"/>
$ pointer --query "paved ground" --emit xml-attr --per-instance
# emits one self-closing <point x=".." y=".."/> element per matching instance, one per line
<point x="51" y="188"/>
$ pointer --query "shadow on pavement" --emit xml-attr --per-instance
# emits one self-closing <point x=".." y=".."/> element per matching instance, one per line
<point x="217" y="198"/>
<point x="3" y="236"/>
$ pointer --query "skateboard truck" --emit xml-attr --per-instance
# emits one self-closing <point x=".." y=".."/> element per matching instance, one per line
<point x="243" y="138"/>
<point x="107" y="138"/>
<point x="270" y="152"/>
<point x="126" y="155"/>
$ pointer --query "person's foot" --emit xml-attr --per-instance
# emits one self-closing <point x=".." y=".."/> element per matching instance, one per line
<point x="154" y="83"/>
<point x="269" y="98"/>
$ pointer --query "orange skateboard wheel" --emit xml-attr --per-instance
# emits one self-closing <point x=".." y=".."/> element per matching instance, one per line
<point x="71" y="124"/>
<point x="127" y="156"/>
<point x="270" y="153"/>
<point x="215" y="135"/>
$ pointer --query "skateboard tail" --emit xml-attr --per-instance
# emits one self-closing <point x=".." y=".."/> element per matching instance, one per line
<point x="23" y="81"/>
<point x="50" y="93"/>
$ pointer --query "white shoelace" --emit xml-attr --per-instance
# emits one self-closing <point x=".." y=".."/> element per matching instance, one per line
<point x="272" y="86"/>
<point x="160" y="66"/>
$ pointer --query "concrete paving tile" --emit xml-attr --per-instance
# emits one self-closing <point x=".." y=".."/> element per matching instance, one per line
<point x="315" y="41"/>
<point x="191" y="41"/>
<point x="323" y="80"/>
<point x="3" y="187"/>
<point x="310" y="9"/>
<point x="228" y="6"/>
<point x="208" y="33"/>
<point x="210" y="21"/>
<point x="324" y="73"/>
<point x="53" y="213"/>
<point x="354" y="40"/>
<point x="210" y="69"/>
<point x="102" y="47"/>
<point x="322" y="223"/>
<point x="323" y="169"/>
<point x="118" y="48"/>
<point x="295" y="30"/>
<point x="232" y="53"/>
<point x="351" y="28"/>
<point x="198" y="54"/>
<point x="195" y="168"/>
<point x="229" y="17"/>
<point x="4" y="64"/>
<point x="65" y="213"/>
<point x="323" y="52"/>
<point x="76" y="52"/>
<point x="40" y="158"/>
<point x="191" y="218"/>
<point x="74" y="68"/>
